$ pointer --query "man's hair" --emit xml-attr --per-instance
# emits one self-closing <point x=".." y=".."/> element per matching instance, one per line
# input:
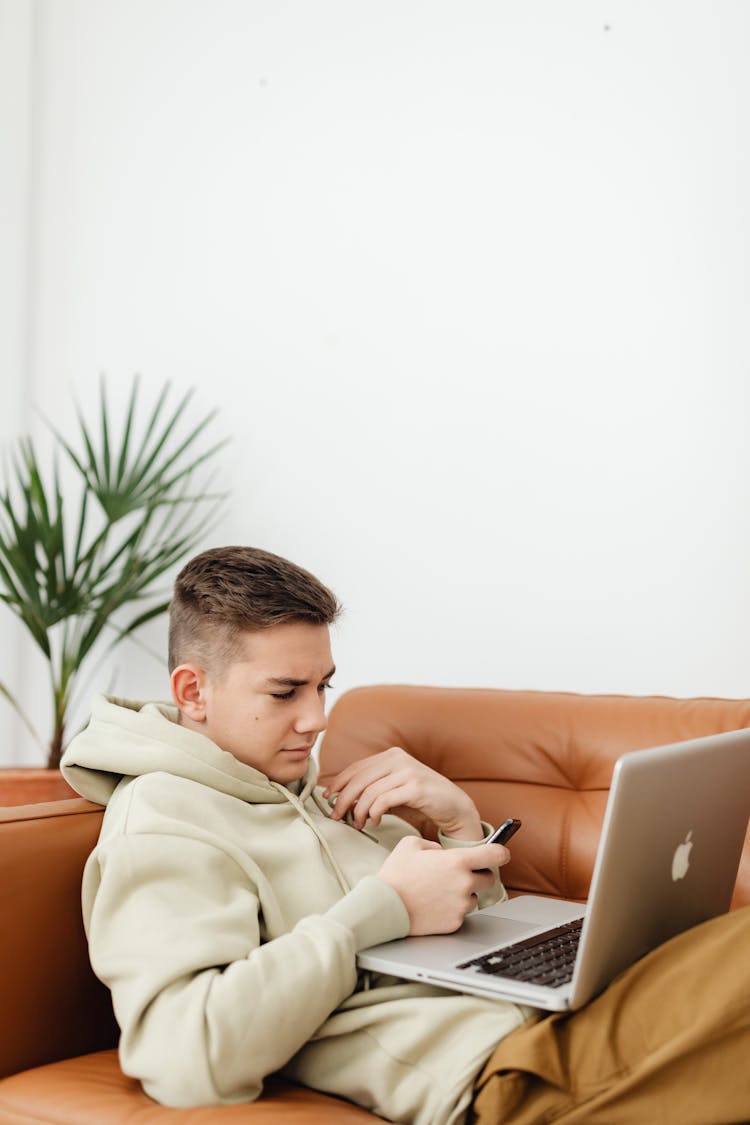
<point x="228" y="591"/>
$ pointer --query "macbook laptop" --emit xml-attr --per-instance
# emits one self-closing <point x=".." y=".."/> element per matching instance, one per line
<point x="668" y="856"/>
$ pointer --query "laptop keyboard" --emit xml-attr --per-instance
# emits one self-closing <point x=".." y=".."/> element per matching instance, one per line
<point x="547" y="958"/>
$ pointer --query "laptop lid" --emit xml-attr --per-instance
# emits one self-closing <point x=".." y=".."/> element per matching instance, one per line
<point x="667" y="859"/>
<point x="670" y="847"/>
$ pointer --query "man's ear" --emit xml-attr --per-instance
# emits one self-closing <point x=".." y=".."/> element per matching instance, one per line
<point x="189" y="691"/>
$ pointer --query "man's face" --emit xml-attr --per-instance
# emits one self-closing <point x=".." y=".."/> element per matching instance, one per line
<point x="268" y="706"/>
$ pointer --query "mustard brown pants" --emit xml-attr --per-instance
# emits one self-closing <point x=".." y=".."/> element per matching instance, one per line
<point x="668" y="1043"/>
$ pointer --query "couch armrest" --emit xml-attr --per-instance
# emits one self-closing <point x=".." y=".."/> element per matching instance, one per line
<point x="53" y="1005"/>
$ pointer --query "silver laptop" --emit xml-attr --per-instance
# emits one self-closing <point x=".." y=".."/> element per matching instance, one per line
<point x="668" y="856"/>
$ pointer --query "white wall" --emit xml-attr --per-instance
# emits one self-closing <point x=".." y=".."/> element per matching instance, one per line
<point x="469" y="281"/>
<point x="16" y="202"/>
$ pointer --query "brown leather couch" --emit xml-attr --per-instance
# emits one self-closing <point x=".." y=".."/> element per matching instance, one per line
<point x="544" y="757"/>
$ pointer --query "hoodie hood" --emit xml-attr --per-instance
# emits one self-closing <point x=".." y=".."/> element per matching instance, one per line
<point x="128" y="739"/>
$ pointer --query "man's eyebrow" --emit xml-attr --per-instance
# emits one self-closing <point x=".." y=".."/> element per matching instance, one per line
<point x="289" y="681"/>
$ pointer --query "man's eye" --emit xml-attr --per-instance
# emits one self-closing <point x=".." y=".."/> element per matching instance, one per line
<point x="325" y="687"/>
<point x="283" y="695"/>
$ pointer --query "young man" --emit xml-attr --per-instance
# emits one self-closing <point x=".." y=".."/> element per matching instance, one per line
<point x="228" y="896"/>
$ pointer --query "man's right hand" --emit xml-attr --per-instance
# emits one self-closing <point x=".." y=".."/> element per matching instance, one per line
<point x="438" y="886"/>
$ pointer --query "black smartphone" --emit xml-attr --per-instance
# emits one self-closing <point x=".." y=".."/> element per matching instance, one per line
<point x="507" y="829"/>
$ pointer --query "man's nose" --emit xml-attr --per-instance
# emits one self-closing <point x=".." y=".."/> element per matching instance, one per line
<point x="313" y="715"/>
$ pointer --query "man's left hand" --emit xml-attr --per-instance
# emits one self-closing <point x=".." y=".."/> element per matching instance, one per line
<point x="370" y="787"/>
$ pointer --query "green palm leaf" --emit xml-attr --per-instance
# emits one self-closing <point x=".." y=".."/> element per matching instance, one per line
<point x="68" y="571"/>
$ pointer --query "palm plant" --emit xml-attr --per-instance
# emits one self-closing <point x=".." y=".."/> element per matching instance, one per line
<point x="69" y="567"/>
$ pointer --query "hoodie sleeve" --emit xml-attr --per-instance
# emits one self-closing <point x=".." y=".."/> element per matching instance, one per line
<point x="206" y="1011"/>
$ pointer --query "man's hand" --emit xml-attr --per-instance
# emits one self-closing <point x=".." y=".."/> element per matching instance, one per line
<point x="439" y="887"/>
<point x="372" y="786"/>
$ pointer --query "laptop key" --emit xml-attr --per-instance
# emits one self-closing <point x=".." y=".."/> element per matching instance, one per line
<point x="546" y="958"/>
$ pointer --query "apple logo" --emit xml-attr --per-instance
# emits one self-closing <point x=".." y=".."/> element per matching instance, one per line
<point x="681" y="860"/>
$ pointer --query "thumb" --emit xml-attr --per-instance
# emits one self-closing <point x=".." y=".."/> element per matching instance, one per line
<point x="485" y="855"/>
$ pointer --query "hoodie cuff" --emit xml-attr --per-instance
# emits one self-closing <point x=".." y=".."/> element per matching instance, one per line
<point x="449" y="842"/>
<point x="373" y="912"/>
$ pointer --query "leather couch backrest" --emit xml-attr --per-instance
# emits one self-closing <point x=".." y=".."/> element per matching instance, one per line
<point x="545" y="757"/>
<point x="54" y="1006"/>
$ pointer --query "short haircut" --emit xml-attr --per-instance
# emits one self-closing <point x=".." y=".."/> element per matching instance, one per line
<point x="226" y="592"/>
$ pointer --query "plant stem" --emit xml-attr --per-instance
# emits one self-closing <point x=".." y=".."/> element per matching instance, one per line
<point x="60" y="689"/>
<point x="55" y="747"/>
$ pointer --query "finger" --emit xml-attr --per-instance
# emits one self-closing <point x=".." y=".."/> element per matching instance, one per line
<point x="471" y="903"/>
<point x="379" y="791"/>
<point x="378" y="799"/>
<point x="484" y="881"/>
<point x="362" y="790"/>
<point x="483" y="856"/>
<point x="337" y="783"/>
<point x="416" y="844"/>
<point x="348" y="772"/>
<point x="373" y="767"/>
<point x="347" y="798"/>
<point x="349" y="789"/>
<point x="387" y="799"/>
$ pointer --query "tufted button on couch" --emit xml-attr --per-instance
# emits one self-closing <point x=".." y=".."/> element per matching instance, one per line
<point x="544" y="757"/>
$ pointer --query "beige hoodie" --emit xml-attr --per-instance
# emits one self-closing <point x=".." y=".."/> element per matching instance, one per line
<point x="225" y="910"/>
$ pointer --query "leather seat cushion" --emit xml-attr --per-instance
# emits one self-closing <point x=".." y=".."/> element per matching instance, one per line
<point x="92" y="1090"/>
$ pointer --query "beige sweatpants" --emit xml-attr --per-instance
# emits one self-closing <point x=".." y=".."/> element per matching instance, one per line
<point x="668" y="1043"/>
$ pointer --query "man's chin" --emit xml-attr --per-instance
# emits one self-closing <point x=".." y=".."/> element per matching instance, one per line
<point x="290" y="769"/>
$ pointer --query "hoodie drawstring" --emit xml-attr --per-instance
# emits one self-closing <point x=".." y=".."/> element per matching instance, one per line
<point x="365" y="975"/>
<point x="298" y="805"/>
